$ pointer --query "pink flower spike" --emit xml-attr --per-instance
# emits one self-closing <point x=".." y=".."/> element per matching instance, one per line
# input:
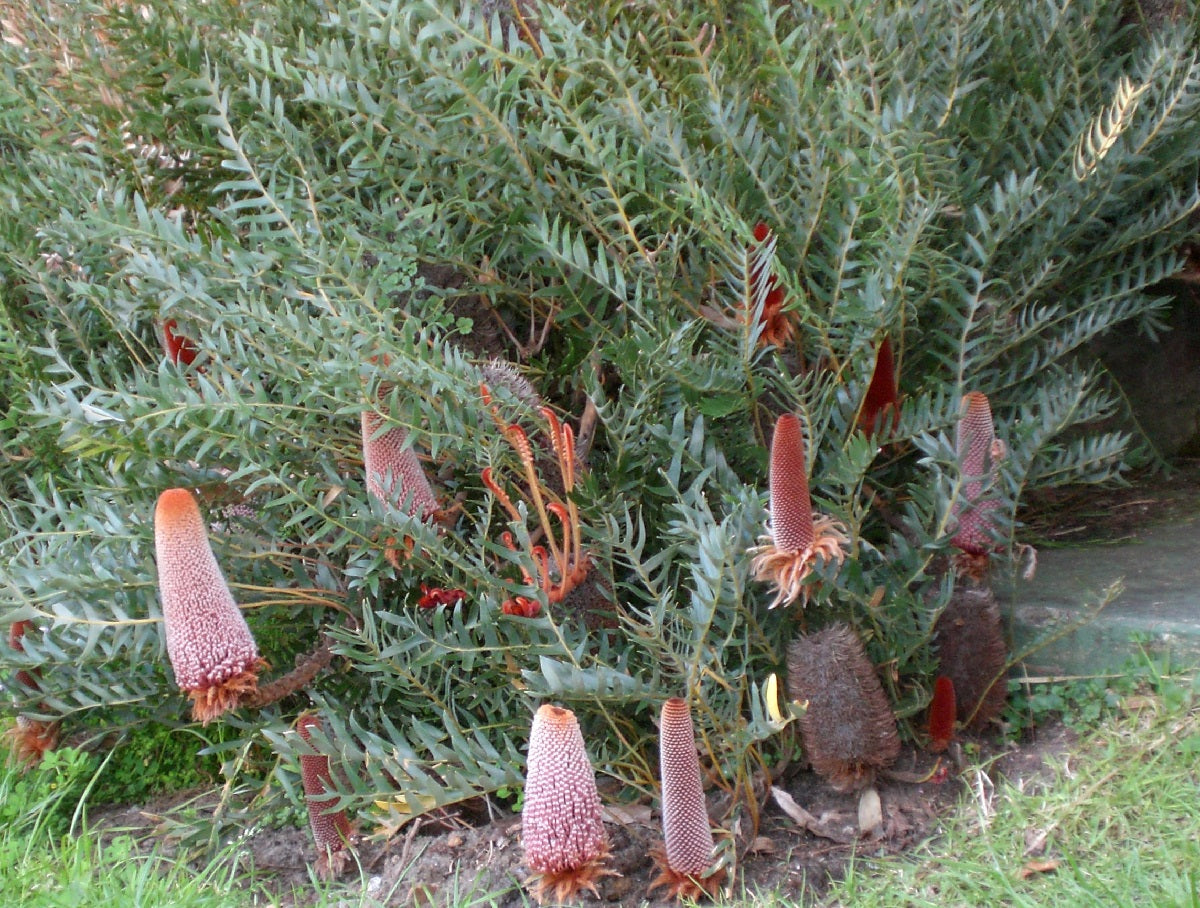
<point x="687" y="854"/>
<point x="561" y="829"/>
<point x="797" y="537"/>
<point x="209" y="643"/>
<point x="330" y="829"/>
<point x="394" y="473"/>
<point x="979" y="456"/>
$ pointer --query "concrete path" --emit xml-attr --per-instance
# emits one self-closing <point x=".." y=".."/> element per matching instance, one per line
<point x="1155" y="601"/>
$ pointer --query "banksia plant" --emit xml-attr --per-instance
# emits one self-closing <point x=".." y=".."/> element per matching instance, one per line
<point x="848" y="729"/>
<point x="979" y="455"/>
<point x="942" y="713"/>
<point x="880" y="411"/>
<point x="331" y="829"/>
<point x="687" y="852"/>
<point x="969" y="640"/>
<point x="209" y="643"/>
<point x="796" y="537"/>
<point x="561" y="830"/>
<point x="394" y="473"/>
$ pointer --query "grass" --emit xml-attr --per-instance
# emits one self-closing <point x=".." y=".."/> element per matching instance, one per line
<point x="1115" y="823"/>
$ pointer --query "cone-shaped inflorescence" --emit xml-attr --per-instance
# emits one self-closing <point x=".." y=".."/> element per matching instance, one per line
<point x="394" y="472"/>
<point x="969" y="639"/>
<point x="797" y="538"/>
<point x="178" y="347"/>
<point x="778" y="326"/>
<point x="942" y="713"/>
<point x="848" y="729"/>
<point x="210" y="646"/>
<point x="330" y="828"/>
<point x="979" y="455"/>
<point x="561" y="829"/>
<point x="881" y="406"/>
<point x="687" y="836"/>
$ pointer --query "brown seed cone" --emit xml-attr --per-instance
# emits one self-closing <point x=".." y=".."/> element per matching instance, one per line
<point x="209" y="643"/>
<point x="330" y="829"/>
<point x="687" y="835"/>
<point x="849" y="730"/>
<point x="561" y="829"/>
<point x="969" y="639"/>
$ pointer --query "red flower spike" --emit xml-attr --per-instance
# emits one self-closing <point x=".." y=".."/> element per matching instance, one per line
<point x="778" y="327"/>
<point x="28" y="739"/>
<point x="330" y="829"/>
<point x="15" y="632"/>
<point x="797" y="537"/>
<point x="687" y="835"/>
<point x="209" y="643"/>
<point x="979" y="454"/>
<point x="882" y="403"/>
<point x="433" y="596"/>
<point x="178" y="347"/>
<point x="562" y="564"/>
<point x="561" y="830"/>
<point x="942" y="710"/>
<point x="394" y="472"/>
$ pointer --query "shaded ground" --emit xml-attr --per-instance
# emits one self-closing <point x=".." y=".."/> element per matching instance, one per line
<point x="435" y="865"/>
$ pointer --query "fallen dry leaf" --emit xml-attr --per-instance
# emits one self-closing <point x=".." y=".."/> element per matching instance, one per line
<point x="870" y="812"/>
<point x="762" y="845"/>
<point x="1037" y="867"/>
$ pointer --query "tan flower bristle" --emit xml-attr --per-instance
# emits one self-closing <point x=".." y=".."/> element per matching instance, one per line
<point x="848" y="729"/>
<point x="561" y="827"/>
<point x="687" y="855"/>
<point x="797" y="538"/>
<point x="209" y="643"/>
<point x="969" y="639"/>
<point x="330" y="828"/>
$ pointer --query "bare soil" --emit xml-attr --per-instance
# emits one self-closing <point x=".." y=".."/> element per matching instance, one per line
<point x="459" y="860"/>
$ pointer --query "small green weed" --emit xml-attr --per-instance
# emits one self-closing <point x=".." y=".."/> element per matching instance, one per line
<point x="41" y="800"/>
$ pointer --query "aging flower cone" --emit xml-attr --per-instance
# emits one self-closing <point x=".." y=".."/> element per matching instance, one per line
<point x="849" y="730"/>
<point x="797" y="538"/>
<point x="687" y="835"/>
<point x="561" y="830"/>
<point x="973" y="654"/>
<point x="208" y="641"/>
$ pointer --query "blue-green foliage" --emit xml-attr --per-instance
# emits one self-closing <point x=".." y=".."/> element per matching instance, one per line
<point x="284" y="179"/>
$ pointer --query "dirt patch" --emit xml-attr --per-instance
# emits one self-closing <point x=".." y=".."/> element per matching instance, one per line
<point x="459" y="858"/>
<point x="1074" y="514"/>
